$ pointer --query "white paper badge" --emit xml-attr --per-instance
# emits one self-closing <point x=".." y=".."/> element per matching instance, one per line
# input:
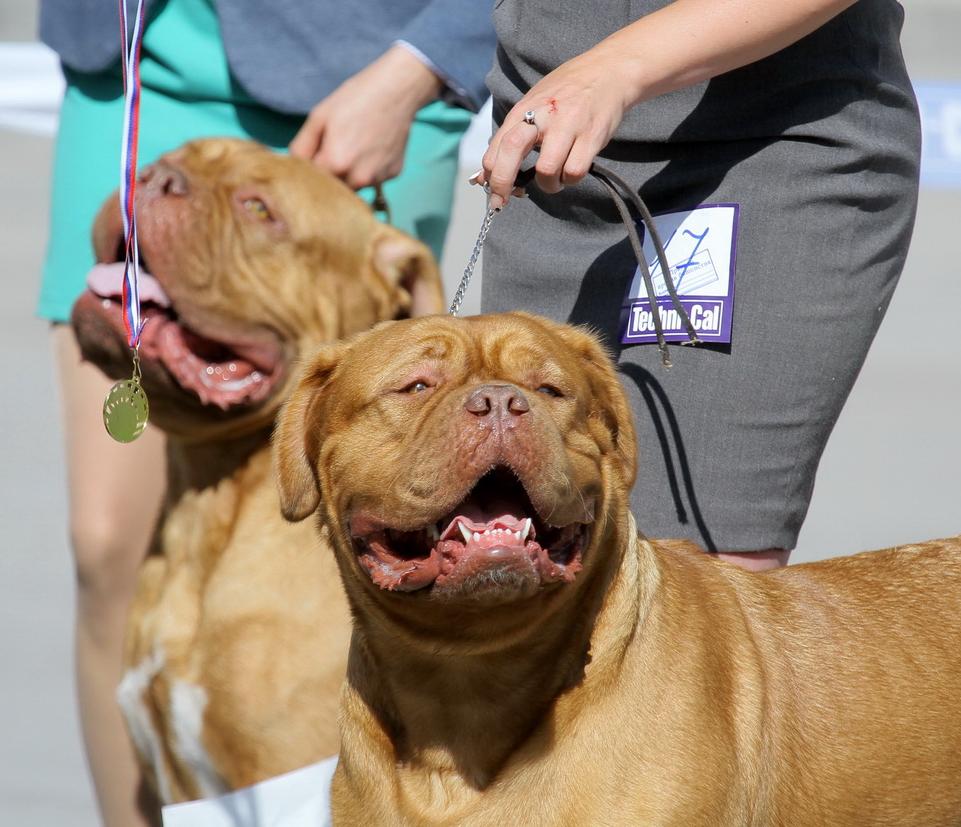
<point x="300" y="798"/>
<point x="701" y="247"/>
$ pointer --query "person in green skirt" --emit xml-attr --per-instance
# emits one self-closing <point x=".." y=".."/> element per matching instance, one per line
<point x="377" y="93"/>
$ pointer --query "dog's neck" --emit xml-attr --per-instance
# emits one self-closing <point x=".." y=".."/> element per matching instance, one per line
<point x="465" y="716"/>
<point x="196" y="466"/>
<point x="210" y="485"/>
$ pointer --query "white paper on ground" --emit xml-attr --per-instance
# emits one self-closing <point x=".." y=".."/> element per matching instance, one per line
<point x="296" y="799"/>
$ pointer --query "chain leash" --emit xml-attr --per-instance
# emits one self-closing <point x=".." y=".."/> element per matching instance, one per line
<point x="472" y="263"/>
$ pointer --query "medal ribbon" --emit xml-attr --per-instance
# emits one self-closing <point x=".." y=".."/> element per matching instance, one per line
<point x="130" y="63"/>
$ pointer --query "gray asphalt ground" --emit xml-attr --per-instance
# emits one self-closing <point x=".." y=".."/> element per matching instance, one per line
<point x="890" y="473"/>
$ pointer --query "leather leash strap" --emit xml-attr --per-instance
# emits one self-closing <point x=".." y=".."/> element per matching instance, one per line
<point x="624" y="197"/>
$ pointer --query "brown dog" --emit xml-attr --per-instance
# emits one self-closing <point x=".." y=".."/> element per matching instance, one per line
<point x="520" y="656"/>
<point x="237" y="641"/>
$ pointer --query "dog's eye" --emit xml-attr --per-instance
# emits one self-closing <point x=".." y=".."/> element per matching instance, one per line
<point x="416" y="387"/>
<point x="257" y="208"/>
<point x="549" y="390"/>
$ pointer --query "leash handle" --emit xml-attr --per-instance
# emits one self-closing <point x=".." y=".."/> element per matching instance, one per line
<point x="617" y="188"/>
<point x="379" y="204"/>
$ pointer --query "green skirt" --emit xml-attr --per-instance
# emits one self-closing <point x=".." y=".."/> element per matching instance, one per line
<point x="189" y="92"/>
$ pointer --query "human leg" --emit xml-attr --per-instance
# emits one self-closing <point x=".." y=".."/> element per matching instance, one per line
<point x="115" y="493"/>
<point x="115" y="490"/>
<point x="772" y="558"/>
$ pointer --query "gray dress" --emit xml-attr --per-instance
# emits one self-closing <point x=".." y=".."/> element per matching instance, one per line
<point x="820" y="146"/>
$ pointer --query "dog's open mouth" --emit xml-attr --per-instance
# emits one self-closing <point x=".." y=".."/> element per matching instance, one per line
<point x="220" y="372"/>
<point x="494" y="529"/>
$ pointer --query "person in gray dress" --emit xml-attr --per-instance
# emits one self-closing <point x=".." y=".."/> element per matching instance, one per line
<point x="801" y="120"/>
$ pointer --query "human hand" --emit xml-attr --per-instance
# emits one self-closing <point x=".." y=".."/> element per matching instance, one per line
<point x="579" y="105"/>
<point x="359" y="132"/>
<point x="577" y="108"/>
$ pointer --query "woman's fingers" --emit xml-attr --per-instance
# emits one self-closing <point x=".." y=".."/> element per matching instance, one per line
<point x="580" y="158"/>
<point x="306" y="142"/>
<point x="513" y="118"/>
<point x="569" y="115"/>
<point x="552" y="161"/>
<point x="504" y="162"/>
<point x="567" y="148"/>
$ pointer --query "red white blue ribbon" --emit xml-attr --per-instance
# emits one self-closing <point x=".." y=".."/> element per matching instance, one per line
<point x="130" y="63"/>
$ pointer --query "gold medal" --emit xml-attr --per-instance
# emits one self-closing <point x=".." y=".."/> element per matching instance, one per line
<point x="125" y="410"/>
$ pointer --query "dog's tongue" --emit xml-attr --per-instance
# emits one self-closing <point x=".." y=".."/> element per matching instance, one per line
<point x="216" y="374"/>
<point x="488" y="508"/>
<point x="106" y="280"/>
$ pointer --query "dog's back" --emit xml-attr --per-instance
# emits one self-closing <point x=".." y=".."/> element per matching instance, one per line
<point x="839" y="680"/>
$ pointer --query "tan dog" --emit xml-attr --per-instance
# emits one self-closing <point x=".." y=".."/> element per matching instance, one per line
<point x="237" y="640"/>
<point x="520" y="656"/>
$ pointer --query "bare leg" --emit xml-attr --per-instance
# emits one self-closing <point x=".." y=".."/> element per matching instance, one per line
<point x="772" y="558"/>
<point x="115" y="493"/>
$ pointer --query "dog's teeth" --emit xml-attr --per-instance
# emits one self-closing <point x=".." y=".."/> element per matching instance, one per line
<point x="475" y="536"/>
<point x="433" y="533"/>
<point x="522" y="534"/>
<point x="517" y="535"/>
<point x="464" y="532"/>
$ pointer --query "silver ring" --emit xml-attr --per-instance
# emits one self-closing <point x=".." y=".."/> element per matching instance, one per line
<point x="529" y="117"/>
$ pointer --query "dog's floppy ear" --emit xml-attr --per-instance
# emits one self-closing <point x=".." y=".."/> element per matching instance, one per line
<point x="609" y="402"/>
<point x="409" y="267"/>
<point x="294" y="445"/>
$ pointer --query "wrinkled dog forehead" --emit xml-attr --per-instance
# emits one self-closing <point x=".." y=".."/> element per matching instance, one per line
<point x="490" y="347"/>
<point x="452" y="353"/>
<point x="373" y="371"/>
<point x="227" y="163"/>
<point x="220" y="152"/>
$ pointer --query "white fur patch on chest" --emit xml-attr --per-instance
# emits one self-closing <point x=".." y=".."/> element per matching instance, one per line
<point x="185" y="725"/>
<point x="134" y="700"/>
<point x="187" y="704"/>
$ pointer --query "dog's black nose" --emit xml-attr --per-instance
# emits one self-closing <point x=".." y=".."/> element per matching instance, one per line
<point x="164" y="179"/>
<point x="497" y="401"/>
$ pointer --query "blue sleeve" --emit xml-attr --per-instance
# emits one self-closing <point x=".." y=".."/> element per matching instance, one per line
<point x="457" y="36"/>
<point x="84" y="33"/>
